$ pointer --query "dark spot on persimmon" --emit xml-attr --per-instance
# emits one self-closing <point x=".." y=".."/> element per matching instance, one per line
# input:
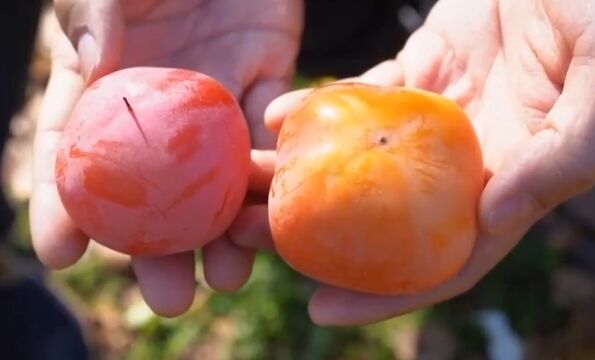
<point x="135" y="118"/>
<point x="130" y="110"/>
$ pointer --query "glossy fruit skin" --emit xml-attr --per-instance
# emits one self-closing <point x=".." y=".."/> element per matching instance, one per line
<point x="166" y="174"/>
<point x="376" y="189"/>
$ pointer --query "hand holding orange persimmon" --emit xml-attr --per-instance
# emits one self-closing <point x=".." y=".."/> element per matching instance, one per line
<point x="524" y="72"/>
<point x="376" y="188"/>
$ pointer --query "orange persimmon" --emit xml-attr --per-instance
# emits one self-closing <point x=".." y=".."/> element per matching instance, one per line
<point x="376" y="189"/>
<point x="154" y="161"/>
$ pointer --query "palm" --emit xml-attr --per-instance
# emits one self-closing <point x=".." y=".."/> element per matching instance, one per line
<point x="505" y="73"/>
<point x="248" y="46"/>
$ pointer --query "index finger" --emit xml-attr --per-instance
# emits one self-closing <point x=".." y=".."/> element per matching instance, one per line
<point x="57" y="241"/>
<point x="386" y="73"/>
<point x="278" y="108"/>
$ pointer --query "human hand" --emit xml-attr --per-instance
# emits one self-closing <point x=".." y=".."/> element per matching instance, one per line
<point x="250" y="47"/>
<point x="524" y="71"/>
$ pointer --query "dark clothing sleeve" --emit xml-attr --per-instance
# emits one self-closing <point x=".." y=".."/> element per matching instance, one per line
<point x="18" y="28"/>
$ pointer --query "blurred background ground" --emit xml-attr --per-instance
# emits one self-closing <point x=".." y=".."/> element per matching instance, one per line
<point x="541" y="299"/>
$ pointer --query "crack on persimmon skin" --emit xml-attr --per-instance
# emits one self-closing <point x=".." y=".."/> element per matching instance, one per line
<point x="194" y="187"/>
<point x="107" y="192"/>
<point x="113" y="146"/>
<point x="219" y="212"/>
<point x="428" y="169"/>
<point x="95" y="158"/>
<point x="77" y="152"/>
<point x="189" y="191"/>
<point x="280" y="173"/>
<point x="415" y="137"/>
<point x="313" y="175"/>
<point x="129" y="193"/>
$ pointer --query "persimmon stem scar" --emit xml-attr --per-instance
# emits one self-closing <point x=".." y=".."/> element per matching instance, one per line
<point x="133" y="114"/>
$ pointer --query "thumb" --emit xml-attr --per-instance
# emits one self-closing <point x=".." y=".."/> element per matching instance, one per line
<point x="555" y="165"/>
<point x="96" y="31"/>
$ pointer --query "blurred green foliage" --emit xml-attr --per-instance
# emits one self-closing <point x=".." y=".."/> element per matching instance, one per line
<point x="273" y="323"/>
<point x="268" y="318"/>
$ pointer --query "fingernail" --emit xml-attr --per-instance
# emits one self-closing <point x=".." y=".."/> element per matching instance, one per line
<point x="88" y="54"/>
<point x="511" y="214"/>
